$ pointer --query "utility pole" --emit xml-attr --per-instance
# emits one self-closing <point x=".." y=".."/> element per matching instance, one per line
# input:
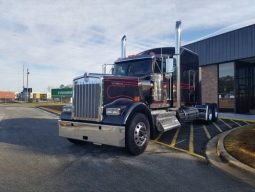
<point x="22" y="97"/>
<point x="27" y="83"/>
<point x="23" y="78"/>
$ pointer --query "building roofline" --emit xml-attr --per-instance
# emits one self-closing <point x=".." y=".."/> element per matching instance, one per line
<point x="220" y="33"/>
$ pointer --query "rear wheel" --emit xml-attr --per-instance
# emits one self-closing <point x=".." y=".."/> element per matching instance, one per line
<point x="137" y="134"/>
<point x="215" y="112"/>
<point x="209" y="113"/>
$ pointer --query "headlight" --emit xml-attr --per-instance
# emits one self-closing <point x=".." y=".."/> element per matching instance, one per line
<point x="67" y="109"/>
<point x="112" y="111"/>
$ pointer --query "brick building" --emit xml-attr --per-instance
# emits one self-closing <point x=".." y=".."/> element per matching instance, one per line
<point x="227" y="69"/>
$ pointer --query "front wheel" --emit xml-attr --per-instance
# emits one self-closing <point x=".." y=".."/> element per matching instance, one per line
<point x="137" y="134"/>
<point x="76" y="141"/>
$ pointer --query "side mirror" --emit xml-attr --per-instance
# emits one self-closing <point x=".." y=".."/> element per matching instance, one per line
<point x="170" y="65"/>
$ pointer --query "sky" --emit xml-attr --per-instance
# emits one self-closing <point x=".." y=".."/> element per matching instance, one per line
<point x="58" y="40"/>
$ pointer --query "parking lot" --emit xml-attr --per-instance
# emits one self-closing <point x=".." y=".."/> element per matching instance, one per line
<point x="192" y="138"/>
<point x="34" y="158"/>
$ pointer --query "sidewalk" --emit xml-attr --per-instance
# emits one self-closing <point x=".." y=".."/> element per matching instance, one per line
<point x="217" y="155"/>
<point x="237" y="116"/>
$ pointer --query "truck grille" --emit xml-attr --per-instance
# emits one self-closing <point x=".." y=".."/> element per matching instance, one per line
<point x="87" y="99"/>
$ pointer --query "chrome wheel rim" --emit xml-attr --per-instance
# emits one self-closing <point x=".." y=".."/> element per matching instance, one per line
<point x="216" y="114"/>
<point x="210" y="116"/>
<point x="140" y="134"/>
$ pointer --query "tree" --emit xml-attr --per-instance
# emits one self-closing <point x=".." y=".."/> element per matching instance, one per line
<point x="62" y="86"/>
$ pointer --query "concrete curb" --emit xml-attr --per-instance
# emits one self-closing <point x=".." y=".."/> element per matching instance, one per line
<point x="47" y="110"/>
<point x="217" y="158"/>
<point x="225" y="156"/>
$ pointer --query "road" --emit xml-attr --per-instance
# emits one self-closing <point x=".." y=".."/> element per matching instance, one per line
<point x="34" y="158"/>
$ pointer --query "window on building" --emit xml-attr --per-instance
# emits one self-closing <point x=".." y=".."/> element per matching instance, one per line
<point x="226" y="87"/>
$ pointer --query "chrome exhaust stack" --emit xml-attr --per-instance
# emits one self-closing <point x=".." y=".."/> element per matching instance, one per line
<point x="178" y="63"/>
<point x="123" y="46"/>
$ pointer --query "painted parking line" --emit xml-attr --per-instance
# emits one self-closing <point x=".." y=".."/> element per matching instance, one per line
<point x="173" y="142"/>
<point x="223" y="121"/>
<point x="192" y="138"/>
<point x="236" y="119"/>
<point x="217" y="127"/>
<point x="250" y="122"/>
<point x="206" y="132"/>
<point x="167" y="136"/>
<point x="159" y="136"/>
<point x="212" y="130"/>
<point x="232" y="123"/>
<point x="239" y="125"/>
<point x="180" y="149"/>
<point x="183" y="137"/>
<point x="222" y="126"/>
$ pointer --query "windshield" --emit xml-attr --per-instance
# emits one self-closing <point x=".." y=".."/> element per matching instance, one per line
<point x="133" y="67"/>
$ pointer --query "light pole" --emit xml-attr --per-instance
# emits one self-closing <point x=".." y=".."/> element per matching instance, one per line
<point x="23" y="78"/>
<point x="27" y="83"/>
<point x="23" y="88"/>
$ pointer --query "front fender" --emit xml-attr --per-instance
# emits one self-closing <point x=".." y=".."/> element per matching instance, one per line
<point x="66" y="116"/>
<point x="129" y="108"/>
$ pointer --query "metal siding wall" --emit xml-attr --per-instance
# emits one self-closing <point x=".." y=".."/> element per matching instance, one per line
<point x="242" y="35"/>
<point x="208" y="46"/>
<point x="237" y="45"/>
<point x="253" y="39"/>
<point x="222" y="50"/>
<point x="230" y="46"/>
<point x="249" y="43"/>
<point x="203" y="58"/>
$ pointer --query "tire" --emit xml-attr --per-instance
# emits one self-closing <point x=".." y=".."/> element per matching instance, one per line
<point x="215" y="112"/>
<point x="137" y="134"/>
<point x="76" y="141"/>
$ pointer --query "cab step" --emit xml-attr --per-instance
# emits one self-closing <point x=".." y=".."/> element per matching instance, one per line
<point x="167" y="121"/>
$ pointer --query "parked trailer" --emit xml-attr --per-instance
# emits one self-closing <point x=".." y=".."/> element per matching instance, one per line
<point x="149" y="93"/>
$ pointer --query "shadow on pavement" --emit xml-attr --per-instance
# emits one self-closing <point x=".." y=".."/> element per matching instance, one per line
<point x="41" y="135"/>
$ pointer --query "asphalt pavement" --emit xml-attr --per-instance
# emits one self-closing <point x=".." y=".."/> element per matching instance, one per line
<point x="34" y="158"/>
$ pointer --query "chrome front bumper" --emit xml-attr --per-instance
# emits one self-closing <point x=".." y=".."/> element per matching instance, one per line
<point x="95" y="133"/>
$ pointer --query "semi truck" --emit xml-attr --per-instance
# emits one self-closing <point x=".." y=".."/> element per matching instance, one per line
<point x="149" y="93"/>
